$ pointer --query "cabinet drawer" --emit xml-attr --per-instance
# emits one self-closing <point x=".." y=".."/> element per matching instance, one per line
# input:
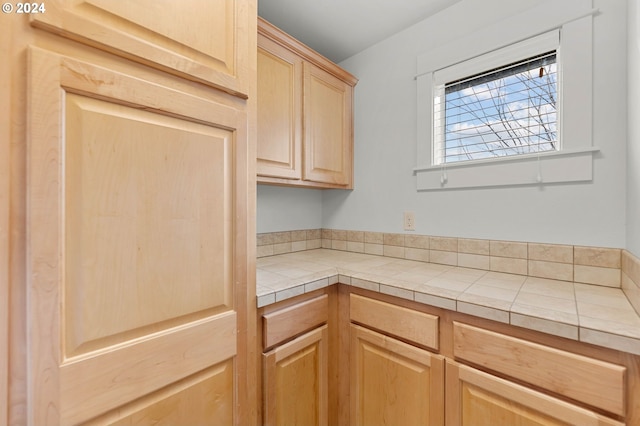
<point x="475" y="395"/>
<point x="289" y="322"/>
<point x="593" y="382"/>
<point x="398" y="321"/>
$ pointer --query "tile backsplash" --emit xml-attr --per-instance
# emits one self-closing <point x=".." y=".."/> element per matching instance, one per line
<point x="609" y="267"/>
<point x="273" y="243"/>
<point x="630" y="279"/>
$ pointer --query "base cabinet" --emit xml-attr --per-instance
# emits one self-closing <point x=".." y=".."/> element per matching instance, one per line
<point x="406" y="367"/>
<point x="379" y="360"/>
<point x="475" y="398"/>
<point x="295" y="381"/>
<point x="295" y="363"/>
<point x="394" y="383"/>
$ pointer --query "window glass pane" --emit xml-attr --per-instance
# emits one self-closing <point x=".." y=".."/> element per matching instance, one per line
<point x="501" y="112"/>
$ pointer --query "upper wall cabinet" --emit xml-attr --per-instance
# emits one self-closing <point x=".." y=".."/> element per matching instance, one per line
<point x="203" y="41"/>
<point x="305" y="115"/>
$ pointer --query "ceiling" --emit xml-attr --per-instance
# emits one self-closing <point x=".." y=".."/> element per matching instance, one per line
<point x="339" y="29"/>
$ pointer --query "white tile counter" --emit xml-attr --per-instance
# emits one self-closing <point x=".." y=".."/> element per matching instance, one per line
<point x="588" y="313"/>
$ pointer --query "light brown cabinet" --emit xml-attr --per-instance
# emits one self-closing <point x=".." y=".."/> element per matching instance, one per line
<point x="394" y="383"/>
<point x="131" y="225"/>
<point x="476" y="398"/>
<point x="305" y="115"/>
<point x="203" y="41"/>
<point x="295" y="371"/>
<point x="392" y="361"/>
<point x="532" y="374"/>
<point x="123" y="170"/>
<point x="398" y="354"/>
<point x="595" y="383"/>
<point x="296" y="381"/>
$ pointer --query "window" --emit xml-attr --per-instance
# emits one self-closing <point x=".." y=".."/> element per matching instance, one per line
<point x="510" y="104"/>
<point x="510" y="110"/>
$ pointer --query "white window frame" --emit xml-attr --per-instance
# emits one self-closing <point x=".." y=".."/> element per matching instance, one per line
<point x="548" y="42"/>
<point x="568" y="25"/>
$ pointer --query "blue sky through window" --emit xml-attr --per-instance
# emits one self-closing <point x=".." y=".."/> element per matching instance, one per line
<point x="510" y="111"/>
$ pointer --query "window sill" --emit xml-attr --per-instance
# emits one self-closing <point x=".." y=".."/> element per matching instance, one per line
<point x="557" y="167"/>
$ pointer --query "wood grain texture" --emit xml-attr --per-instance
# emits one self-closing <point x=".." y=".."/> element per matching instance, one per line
<point x="328" y="127"/>
<point x="296" y="381"/>
<point x="448" y="319"/>
<point x="43" y="262"/>
<point x="125" y="207"/>
<point x="245" y="192"/>
<point x="418" y="327"/>
<point x="126" y="170"/>
<point x="203" y="41"/>
<point x="272" y="32"/>
<point x="479" y="399"/>
<point x="393" y="383"/>
<point x="289" y="322"/>
<point x="305" y="115"/>
<point x="596" y="383"/>
<point x="197" y="397"/>
<point x="344" y="346"/>
<point x="280" y="111"/>
<point x="5" y="182"/>
<point x="87" y="386"/>
<point x="34" y="111"/>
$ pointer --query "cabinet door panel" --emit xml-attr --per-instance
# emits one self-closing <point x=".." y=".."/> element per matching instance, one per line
<point x="393" y="383"/>
<point x="478" y="399"/>
<point x="199" y="40"/>
<point x="279" y="112"/>
<point x="201" y="396"/>
<point x="601" y="385"/>
<point x="295" y="381"/>
<point x="132" y="262"/>
<point x="328" y="127"/>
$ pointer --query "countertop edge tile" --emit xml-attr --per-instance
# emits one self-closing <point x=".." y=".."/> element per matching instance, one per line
<point x="483" y="311"/>
<point x="344" y="279"/>
<point x="544" y="325"/>
<point x="266" y="299"/>
<point x="609" y="340"/>
<point x="365" y="284"/>
<point x="488" y="309"/>
<point x="433" y="300"/>
<point x="289" y="293"/>
<point x="315" y="285"/>
<point x="402" y="293"/>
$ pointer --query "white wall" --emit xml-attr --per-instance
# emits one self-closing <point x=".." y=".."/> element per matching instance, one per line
<point x="385" y="147"/>
<point x="633" y="157"/>
<point x="288" y="209"/>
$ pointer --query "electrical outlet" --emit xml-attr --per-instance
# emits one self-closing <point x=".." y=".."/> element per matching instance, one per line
<point x="409" y="221"/>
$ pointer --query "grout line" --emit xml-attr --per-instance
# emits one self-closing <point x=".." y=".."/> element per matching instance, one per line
<point x="367" y="239"/>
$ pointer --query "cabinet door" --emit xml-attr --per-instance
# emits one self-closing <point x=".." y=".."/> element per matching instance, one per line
<point x="476" y="398"/>
<point x="135" y="249"/>
<point x="279" y="111"/>
<point x="394" y="383"/>
<point x="202" y="40"/>
<point x="328" y="128"/>
<point x="295" y="381"/>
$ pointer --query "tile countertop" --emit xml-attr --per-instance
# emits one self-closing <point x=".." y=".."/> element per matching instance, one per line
<point x="599" y="315"/>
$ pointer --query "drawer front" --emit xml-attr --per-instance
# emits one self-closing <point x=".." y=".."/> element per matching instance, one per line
<point x="593" y="382"/>
<point x="289" y="322"/>
<point x="474" y="394"/>
<point x="397" y="321"/>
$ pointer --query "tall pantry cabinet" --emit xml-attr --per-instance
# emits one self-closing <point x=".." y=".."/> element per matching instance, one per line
<point x="127" y="235"/>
